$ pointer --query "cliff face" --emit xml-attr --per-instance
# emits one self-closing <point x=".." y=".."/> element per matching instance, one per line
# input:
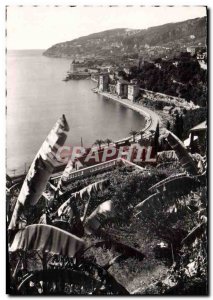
<point x="125" y="41"/>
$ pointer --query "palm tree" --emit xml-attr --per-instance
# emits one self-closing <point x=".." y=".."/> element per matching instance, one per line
<point x="98" y="142"/>
<point x="108" y="141"/>
<point x="151" y="135"/>
<point x="133" y="133"/>
<point x="156" y="137"/>
<point x="141" y="133"/>
<point x="152" y="132"/>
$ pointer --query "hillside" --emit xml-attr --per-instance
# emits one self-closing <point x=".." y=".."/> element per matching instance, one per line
<point x="123" y="41"/>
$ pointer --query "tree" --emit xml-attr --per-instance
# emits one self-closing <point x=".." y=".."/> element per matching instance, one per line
<point x="122" y="74"/>
<point x="178" y="126"/>
<point x="141" y="133"/>
<point x="156" y="137"/>
<point x="133" y="133"/>
<point x="98" y="143"/>
<point x="168" y="125"/>
<point x="108" y="141"/>
<point x="133" y="72"/>
<point x="158" y="60"/>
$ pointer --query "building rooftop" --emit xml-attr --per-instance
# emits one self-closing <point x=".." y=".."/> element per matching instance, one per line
<point x="103" y="73"/>
<point x="122" y="81"/>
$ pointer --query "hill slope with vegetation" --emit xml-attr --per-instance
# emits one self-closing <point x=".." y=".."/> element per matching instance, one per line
<point x="129" y="41"/>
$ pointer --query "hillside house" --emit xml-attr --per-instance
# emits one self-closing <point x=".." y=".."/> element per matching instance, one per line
<point x="198" y="138"/>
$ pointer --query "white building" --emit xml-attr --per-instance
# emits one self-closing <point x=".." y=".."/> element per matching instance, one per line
<point x="103" y="82"/>
<point x="122" y="88"/>
<point x="133" y="91"/>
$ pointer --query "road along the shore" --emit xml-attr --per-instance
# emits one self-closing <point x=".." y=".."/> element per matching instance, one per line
<point x="152" y="119"/>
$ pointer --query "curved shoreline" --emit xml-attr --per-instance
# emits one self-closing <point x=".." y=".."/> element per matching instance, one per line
<point x="151" y="117"/>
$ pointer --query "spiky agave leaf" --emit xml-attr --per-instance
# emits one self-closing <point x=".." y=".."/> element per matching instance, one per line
<point x="177" y="184"/>
<point x="61" y="186"/>
<point x="41" y="169"/>
<point x="182" y="154"/>
<point x="162" y="182"/>
<point x="165" y="190"/>
<point x="196" y="232"/>
<point x="152" y="202"/>
<point x="47" y="238"/>
<point x="83" y="195"/>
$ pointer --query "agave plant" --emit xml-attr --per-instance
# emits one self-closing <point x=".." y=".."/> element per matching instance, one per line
<point x="182" y="154"/>
<point x="166" y="190"/>
<point x="47" y="238"/>
<point x="39" y="173"/>
<point x="73" y="271"/>
<point x="82" y="275"/>
<point x="83" y="195"/>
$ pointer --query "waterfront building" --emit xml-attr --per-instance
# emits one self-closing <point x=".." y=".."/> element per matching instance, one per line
<point x="133" y="91"/>
<point x="197" y="138"/>
<point x="72" y="67"/>
<point x="122" y="88"/>
<point x="76" y="67"/>
<point x="81" y="69"/>
<point x="103" y="82"/>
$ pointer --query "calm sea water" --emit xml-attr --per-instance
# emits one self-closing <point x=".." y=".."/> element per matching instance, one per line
<point x="37" y="97"/>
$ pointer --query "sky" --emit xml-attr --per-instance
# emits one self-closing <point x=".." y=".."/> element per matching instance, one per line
<point x="40" y="27"/>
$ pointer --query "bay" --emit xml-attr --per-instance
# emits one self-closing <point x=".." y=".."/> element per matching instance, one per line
<point x="37" y="97"/>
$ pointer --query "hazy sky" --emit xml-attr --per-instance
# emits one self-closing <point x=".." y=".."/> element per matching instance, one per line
<point x="40" y="27"/>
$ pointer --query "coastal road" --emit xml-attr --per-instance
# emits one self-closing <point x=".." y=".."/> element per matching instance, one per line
<point x="151" y="117"/>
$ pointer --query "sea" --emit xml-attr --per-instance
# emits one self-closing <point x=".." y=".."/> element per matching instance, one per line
<point x="36" y="96"/>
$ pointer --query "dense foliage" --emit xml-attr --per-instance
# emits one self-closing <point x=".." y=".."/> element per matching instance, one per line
<point x="181" y="76"/>
<point x="177" y="268"/>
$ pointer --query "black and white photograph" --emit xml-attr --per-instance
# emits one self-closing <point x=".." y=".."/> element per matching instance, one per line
<point x="106" y="150"/>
